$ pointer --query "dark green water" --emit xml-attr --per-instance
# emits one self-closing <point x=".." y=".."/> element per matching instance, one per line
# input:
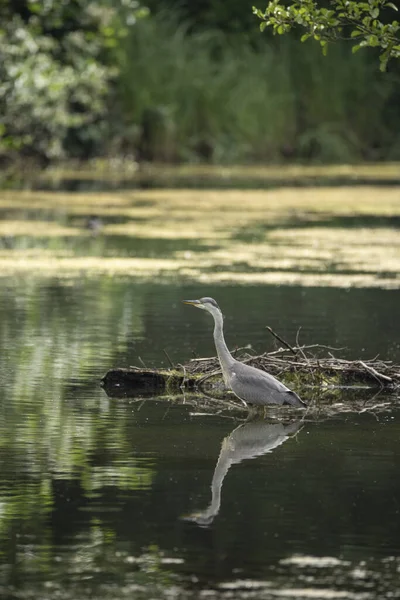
<point x="108" y="498"/>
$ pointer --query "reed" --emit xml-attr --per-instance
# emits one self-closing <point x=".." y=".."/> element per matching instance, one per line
<point x="206" y="96"/>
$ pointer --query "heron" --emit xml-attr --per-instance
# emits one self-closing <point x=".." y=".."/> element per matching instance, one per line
<point x="249" y="384"/>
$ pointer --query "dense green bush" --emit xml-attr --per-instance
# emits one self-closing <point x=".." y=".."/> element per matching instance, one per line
<point x="42" y="101"/>
<point x="55" y="77"/>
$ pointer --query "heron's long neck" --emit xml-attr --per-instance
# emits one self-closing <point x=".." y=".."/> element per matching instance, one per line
<point x="225" y="357"/>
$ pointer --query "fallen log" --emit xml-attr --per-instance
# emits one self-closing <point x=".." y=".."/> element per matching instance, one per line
<point x="138" y="381"/>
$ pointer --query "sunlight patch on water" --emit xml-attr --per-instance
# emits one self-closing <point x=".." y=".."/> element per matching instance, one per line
<point x="302" y="560"/>
<point x="307" y="236"/>
<point x="301" y="278"/>
<point x="320" y="577"/>
<point x="36" y="229"/>
<point x="320" y="594"/>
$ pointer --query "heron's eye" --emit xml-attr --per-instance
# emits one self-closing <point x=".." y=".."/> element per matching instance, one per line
<point x="209" y="301"/>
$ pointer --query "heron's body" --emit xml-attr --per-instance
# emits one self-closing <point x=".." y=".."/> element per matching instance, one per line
<point x="259" y="387"/>
<point x="248" y="383"/>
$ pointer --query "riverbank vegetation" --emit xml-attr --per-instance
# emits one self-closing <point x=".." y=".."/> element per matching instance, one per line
<point x="199" y="84"/>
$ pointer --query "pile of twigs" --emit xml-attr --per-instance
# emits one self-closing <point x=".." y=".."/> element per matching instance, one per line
<point x="311" y="365"/>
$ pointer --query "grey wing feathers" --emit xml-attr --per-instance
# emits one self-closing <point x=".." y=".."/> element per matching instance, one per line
<point x="258" y="387"/>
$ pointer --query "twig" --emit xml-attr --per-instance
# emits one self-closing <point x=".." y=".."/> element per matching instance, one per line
<point x="305" y="347"/>
<point x="185" y="377"/>
<point x="298" y="345"/>
<point x="225" y="402"/>
<point x="166" y="412"/>
<point x="204" y="379"/>
<point x="192" y="360"/>
<point x="340" y="360"/>
<point x="142" y="361"/>
<point x="282" y="341"/>
<point x="171" y="364"/>
<point x="375" y="373"/>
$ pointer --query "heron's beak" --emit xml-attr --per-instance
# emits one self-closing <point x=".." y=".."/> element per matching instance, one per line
<point x="192" y="302"/>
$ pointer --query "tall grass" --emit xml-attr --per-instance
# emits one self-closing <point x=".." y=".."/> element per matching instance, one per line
<point x="204" y="96"/>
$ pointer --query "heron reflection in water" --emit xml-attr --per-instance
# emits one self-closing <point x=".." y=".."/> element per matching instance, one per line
<point x="249" y="440"/>
<point x="251" y="385"/>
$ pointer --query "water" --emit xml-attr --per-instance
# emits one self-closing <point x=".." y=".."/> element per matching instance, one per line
<point x="114" y="498"/>
<point x="111" y="498"/>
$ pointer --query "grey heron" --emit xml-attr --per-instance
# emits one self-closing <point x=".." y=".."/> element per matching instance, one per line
<point x="251" y="385"/>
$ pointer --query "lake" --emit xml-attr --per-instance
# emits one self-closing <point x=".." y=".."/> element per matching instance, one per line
<point x="141" y="497"/>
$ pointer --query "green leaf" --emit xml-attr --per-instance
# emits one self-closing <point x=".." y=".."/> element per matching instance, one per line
<point x="383" y="65"/>
<point x="384" y="57"/>
<point x="34" y="7"/>
<point x="373" y="41"/>
<point x="258" y="12"/>
<point x="324" y="46"/>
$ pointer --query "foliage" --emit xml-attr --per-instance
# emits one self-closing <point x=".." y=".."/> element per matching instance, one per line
<point x="82" y="79"/>
<point x="56" y="72"/>
<point x="187" y="96"/>
<point x="361" y="21"/>
<point x="233" y="17"/>
<point x="199" y="96"/>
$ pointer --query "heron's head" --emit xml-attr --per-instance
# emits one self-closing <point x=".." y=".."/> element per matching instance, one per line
<point x="207" y="304"/>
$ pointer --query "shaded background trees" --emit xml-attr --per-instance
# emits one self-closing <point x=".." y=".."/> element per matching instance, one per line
<point x="183" y="81"/>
